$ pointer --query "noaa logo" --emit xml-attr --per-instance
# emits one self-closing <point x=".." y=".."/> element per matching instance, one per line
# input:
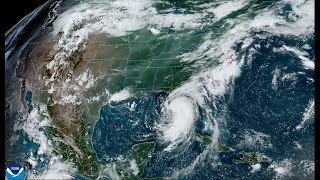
<point x="15" y="171"/>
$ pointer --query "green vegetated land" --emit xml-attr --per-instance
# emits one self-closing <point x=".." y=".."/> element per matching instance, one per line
<point x="133" y="167"/>
<point x="140" y="61"/>
<point x="251" y="158"/>
<point x="144" y="62"/>
<point x="207" y="140"/>
<point x="245" y="157"/>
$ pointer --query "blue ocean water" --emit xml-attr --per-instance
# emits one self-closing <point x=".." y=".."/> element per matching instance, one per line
<point x="254" y="105"/>
<point x="257" y="106"/>
<point x="119" y="128"/>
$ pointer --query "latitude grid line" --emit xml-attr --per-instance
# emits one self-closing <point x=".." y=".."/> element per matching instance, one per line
<point x="125" y="71"/>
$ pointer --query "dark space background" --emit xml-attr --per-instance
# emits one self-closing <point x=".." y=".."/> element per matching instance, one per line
<point x="15" y="10"/>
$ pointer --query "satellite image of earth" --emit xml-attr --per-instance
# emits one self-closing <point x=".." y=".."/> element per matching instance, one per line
<point x="162" y="89"/>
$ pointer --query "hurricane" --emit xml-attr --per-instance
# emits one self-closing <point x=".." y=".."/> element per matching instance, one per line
<point x="163" y="89"/>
